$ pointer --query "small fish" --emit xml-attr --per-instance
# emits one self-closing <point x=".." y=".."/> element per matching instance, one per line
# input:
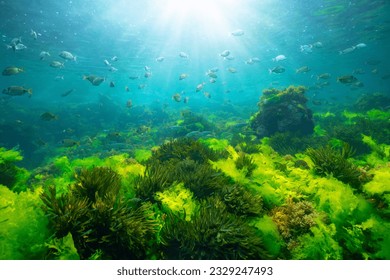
<point x="225" y="53"/>
<point x="347" y="79"/>
<point x="114" y="58"/>
<point x="160" y="59"/>
<point x="323" y="76"/>
<point x="57" y="64"/>
<point x="106" y="62"/>
<point x="232" y="70"/>
<point x="112" y="84"/>
<point x="48" y="116"/>
<point x="317" y="45"/>
<point x="302" y="69"/>
<point x="238" y="32"/>
<point x="316" y="102"/>
<point x="323" y="84"/>
<point x="207" y="94"/>
<point x="141" y="86"/>
<point x="43" y="55"/>
<point x="12" y="70"/>
<point x="148" y="74"/>
<point x="134" y="77"/>
<point x="279" y="57"/>
<point x="129" y="103"/>
<point x="112" y="69"/>
<point x="17" y="47"/>
<point x="17" y="90"/>
<point x="277" y="70"/>
<point x="34" y="34"/>
<point x="66" y="93"/>
<point x="183" y="76"/>
<point x="199" y="87"/>
<point x="211" y="74"/>
<point x="186" y="99"/>
<point x="252" y="60"/>
<point x="176" y="97"/>
<point x="306" y="48"/>
<point x="347" y="50"/>
<point x="67" y="55"/>
<point x="127" y="89"/>
<point x="94" y="80"/>
<point x="68" y="143"/>
<point x="147" y="68"/>
<point x="212" y="81"/>
<point x="360" y="46"/>
<point x="183" y="55"/>
<point x="16" y="41"/>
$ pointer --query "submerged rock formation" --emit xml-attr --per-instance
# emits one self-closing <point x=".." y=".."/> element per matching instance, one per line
<point x="283" y="111"/>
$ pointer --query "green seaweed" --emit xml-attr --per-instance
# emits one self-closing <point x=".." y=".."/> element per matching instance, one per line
<point x="23" y="225"/>
<point x="241" y="201"/>
<point x="184" y="148"/>
<point x="99" y="219"/>
<point x="330" y="161"/>
<point x="212" y="234"/>
<point x="245" y="163"/>
<point x="12" y="176"/>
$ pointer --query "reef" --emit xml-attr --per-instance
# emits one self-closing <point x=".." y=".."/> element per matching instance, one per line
<point x="283" y="111"/>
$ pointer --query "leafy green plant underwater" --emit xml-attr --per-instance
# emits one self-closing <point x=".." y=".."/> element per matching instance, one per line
<point x="201" y="199"/>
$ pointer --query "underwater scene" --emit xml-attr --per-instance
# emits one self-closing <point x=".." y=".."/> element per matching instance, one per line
<point x="195" y="130"/>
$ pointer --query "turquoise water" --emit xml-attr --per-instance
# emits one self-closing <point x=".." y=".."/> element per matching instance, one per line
<point x="116" y="40"/>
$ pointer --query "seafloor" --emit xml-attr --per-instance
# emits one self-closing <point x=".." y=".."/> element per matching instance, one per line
<point x="216" y="188"/>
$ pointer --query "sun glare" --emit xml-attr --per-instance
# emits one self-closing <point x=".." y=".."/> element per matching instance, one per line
<point x="206" y="15"/>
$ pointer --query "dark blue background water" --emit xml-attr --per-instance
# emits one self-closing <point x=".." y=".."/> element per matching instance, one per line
<point x="138" y="32"/>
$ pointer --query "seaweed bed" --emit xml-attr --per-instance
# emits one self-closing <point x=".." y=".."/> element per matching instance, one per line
<point x="321" y="195"/>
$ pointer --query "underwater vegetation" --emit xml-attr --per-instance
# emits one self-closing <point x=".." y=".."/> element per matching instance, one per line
<point x="372" y="101"/>
<point x="290" y="195"/>
<point x="212" y="233"/>
<point x="12" y="176"/>
<point x="331" y="161"/>
<point x="183" y="160"/>
<point x="98" y="220"/>
<point x="289" y="143"/>
<point x="184" y="148"/>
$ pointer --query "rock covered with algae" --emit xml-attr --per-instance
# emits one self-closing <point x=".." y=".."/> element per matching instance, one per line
<point x="283" y="111"/>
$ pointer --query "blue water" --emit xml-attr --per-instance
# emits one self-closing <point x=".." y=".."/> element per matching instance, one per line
<point x="139" y="32"/>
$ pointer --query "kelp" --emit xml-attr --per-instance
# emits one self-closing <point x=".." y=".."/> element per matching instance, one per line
<point x="99" y="219"/>
<point x="212" y="233"/>
<point x="330" y="161"/>
<point x="184" y="148"/>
